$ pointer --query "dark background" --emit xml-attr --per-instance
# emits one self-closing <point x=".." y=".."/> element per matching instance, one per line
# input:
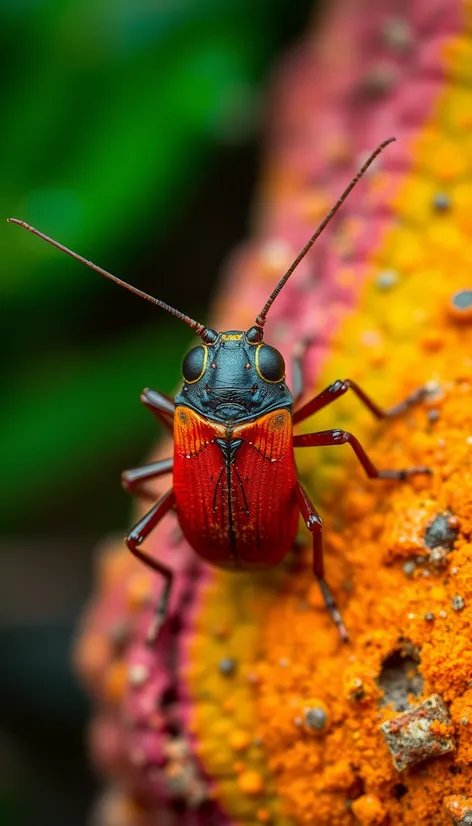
<point x="130" y="131"/>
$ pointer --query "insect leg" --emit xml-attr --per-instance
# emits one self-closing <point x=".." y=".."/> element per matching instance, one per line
<point x="132" y="479"/>
<point x="327" y="438"/>
<point x="314" y="525"/>
<point x="160" y="405"/>
<point x="135" y="537"/>
<point x="339" y="388"/>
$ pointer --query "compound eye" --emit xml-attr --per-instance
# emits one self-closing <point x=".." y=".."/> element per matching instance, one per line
<point x="270" y="364"/>
<point x="194" y="363"/>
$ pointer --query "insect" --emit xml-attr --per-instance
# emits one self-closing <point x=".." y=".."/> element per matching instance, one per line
<point x="235" y="485"/>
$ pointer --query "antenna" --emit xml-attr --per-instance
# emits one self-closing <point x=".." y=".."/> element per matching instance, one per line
<point x="261" y="318"/>
<point x="200" y="329"/>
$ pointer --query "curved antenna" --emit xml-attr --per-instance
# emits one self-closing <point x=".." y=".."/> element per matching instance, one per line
<point x="200" y="329"/>
<point x="261" y="318"/>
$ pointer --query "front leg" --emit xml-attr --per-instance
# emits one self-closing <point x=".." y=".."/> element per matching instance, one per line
<point x="160" y="405"/>
<point x="315" y="526"/>
<point x="136" y="536"/>
<point x="328" y="438"/>
<point x="339" y="388"/>
<point x="132" y="480"/>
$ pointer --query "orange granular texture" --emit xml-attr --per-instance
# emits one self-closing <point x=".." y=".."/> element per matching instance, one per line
<point x="368" y="810"/>
<point x="287" y="649"/>
<point x="372" y="529"/>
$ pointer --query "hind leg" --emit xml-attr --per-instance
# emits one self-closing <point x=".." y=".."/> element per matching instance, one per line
<point x="313" y="522"/>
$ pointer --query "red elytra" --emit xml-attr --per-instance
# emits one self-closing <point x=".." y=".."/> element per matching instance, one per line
<point x="239" y="512"/>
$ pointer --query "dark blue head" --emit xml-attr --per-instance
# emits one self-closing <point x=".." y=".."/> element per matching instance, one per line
<point x="234" y="376"/>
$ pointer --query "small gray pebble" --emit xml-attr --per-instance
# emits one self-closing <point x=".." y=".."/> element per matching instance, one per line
<point x="315" y="718"/>
<point x="387" y="279"/>
<point x="409" y="567"/>
<point x="227" y="666"/>
<point x="441" y="202"/>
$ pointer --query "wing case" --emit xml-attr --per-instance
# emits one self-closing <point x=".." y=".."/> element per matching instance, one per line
<point x="235" y="487"/>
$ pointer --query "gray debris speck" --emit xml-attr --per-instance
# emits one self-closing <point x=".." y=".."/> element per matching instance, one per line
<point x="227" y="666"/>
<point x="380" y="79"/>
<point x="439" y="533"/>
<point x="409" y="568"/>
<point x="441" y="202"/>
<point x="462" y="300"/>
<point x="438" y="557"/>
<point x="397" y="34"/>
<point x="138" y="674"/>
<point x="315" y="718"/>
<point x="411" y="738"/>
<point x="387" y="279"/>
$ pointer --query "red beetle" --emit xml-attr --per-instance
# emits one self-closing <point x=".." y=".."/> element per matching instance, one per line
<point x="235" y="485"/>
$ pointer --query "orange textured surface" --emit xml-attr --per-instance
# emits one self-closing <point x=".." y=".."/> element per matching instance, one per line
<point x="397" y="339"/>
<point x="387" y="612"/>
<point x="372" y="528"/>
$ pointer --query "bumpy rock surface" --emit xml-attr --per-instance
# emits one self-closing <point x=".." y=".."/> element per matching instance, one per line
<point x="185" y="740"/>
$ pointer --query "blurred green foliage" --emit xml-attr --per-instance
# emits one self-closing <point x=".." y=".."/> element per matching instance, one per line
<point x="112" y="111"/>
<point x="109" y="109"/>
<point x="128" y="132"/>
